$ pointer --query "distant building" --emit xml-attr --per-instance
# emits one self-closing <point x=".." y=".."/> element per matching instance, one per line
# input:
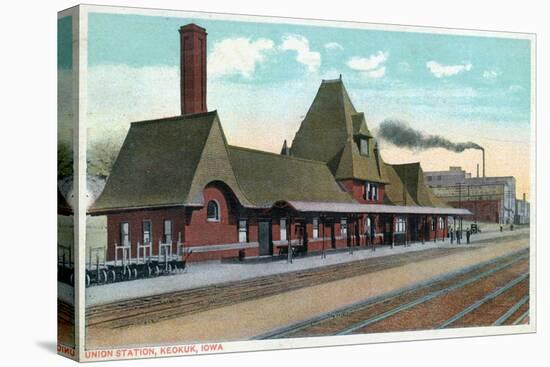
<point x="523" y="209"/>
<point x="490" y="199"/>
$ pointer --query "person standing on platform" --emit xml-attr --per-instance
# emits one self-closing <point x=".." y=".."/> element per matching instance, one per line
<point x="468" y="236"/>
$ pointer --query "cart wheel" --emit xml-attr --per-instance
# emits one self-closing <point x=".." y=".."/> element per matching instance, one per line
<point x="157" y="270"/>
<point x="149" y="271"/>
<point x="88" y="281"/>
<point x="112" y="276"/>
<point x="102" y="277"/>
<point x="135" y="273"/>
<point x="71" y="279"/>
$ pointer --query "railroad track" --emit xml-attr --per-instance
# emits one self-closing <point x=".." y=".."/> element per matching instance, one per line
<point x="491" y="293"/>
<point x="156" y="308"/>
<point x="65" y="311"/>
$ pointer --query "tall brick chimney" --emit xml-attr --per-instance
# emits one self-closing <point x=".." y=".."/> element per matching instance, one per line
<point x="192" y="69"/>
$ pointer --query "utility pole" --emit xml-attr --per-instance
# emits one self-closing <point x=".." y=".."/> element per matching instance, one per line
<point x="460" y="206"/>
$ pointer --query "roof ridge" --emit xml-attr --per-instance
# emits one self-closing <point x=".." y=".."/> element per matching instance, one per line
<point x="403" y="164"/>
<point x="275" y="154"/>
<point x="176" y="118"/>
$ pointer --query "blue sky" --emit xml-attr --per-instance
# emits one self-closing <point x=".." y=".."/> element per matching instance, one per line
<point x="497" y="64"/>
<point x="262" y="78"/>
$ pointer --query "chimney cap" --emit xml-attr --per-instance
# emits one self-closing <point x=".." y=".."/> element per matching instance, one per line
<point x="192" y="27"/>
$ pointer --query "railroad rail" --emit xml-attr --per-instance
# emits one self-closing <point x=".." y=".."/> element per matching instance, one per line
<point x="356" y="318"/>
<point x="484" y="300"/>
<point x="159" y="307"/>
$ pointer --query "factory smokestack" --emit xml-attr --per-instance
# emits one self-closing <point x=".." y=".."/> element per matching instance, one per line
<point x="483" y="159"/>
<point x="192" y="69"/>
<point x="400" y="134"/>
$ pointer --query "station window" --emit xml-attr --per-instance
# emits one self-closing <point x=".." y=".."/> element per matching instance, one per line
<point x="371" y="191"/>
<point x="433" y="225"/>
<point x="124" y="233"/>
<point x="167" y="234"/>
<point x="147" y="232"/>
<point x="364" y="146"/>
<point x="213" y="211"/>
<point x="400" y="225"/>
<point x="243" y="233"/>
<point x="282" y="224"/>
<point x="367" y="225"/>
<point x="315" y="227"/>
<point x="343" y="227"/>
<point x="441" y="223"/>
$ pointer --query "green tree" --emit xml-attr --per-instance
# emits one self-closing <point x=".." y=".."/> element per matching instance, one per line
<point x="64" y="160"/>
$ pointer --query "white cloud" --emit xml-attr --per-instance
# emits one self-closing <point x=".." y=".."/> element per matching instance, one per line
<point x="238" y="56"/>
<point x="440" y="71"/>
<point x="367" y="63"/>
<point x="376" y="73"/>
<point x="333" y="46"/>
<point x="372" y="66"/>
<point x="491" y="74"/>
<point x="304" y="55"/>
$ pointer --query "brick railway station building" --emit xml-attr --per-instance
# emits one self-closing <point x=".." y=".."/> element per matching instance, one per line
<point x="177" y="183"/>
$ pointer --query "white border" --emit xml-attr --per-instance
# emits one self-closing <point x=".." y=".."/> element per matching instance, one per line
<point x="302" y="21"/>
<point x="242" y="346"/>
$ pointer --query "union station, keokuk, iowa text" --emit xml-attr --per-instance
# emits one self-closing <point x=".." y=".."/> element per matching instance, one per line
<point x="178" y="188"/>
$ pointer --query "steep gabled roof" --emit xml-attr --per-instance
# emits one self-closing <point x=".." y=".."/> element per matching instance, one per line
<point x="330" y="133"/>
<point x="360" y="125"/>
<point x="408" y="187"/>
<point x="167" y="162"/>
<point x="267" y="177"/>
<point x="353" y="165"/>
<point x="63" y="206"/>
<point x="327" y="125"/>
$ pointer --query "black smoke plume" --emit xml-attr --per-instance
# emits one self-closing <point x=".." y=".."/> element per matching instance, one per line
<point x="399" y="133"/>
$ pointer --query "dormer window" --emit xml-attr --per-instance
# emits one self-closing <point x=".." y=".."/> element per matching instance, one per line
<point x="364" y="146"/>
<point x="371" y="191"/>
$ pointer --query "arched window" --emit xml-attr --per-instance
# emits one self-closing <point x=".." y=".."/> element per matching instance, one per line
<point x="213" y="211"/>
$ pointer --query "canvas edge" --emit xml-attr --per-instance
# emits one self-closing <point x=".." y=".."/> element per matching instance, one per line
<point x="80" y="74"/>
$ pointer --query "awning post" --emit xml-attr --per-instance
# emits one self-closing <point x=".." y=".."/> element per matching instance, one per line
<point x="323" y="220"/>
<point x="349" y="222"/>
<point x="392" y="227"/>
<point x="289" y="235"/>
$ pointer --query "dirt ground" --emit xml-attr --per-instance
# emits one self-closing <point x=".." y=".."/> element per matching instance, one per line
<point x="246" y="319"/>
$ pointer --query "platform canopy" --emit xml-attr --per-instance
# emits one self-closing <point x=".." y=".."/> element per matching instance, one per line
<point x="357" y="208"/>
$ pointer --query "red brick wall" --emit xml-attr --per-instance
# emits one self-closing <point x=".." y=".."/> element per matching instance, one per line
<point x="196" y="230"/>
<point x="135" y="220"/>
<point x="357" y="188"/>
<point x="483" y="210"/>
<point x="200" y="231"/>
